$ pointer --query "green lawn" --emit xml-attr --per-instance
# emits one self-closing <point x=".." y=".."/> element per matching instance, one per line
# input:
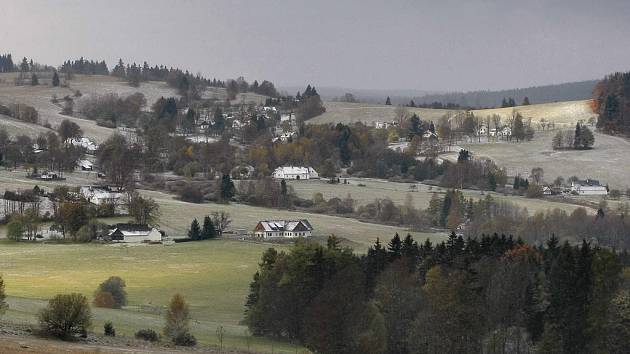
<point x="213" y="276"/>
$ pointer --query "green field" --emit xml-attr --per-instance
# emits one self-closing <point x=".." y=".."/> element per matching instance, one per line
<point x="606" y="161"/>
<point x="213" y="276"/>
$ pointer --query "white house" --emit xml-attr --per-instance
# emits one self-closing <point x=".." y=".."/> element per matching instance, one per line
<point x="134" y="233"/>
<point x="483" y="130"/>
<point x="295" y="172"/>
<point x="506" y="131"/>
<point x="85" y="165"/>
<point x="283" y="228"/>
<point x="102" y="194"/>
<point x="86" y="143"/>
<point x="588" y="187"/>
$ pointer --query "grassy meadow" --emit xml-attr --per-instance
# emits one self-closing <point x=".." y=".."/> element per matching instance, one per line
<point x="213" y="276"/>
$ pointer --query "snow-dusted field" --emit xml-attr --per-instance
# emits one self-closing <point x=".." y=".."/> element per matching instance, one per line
<point x="607" y="161"/>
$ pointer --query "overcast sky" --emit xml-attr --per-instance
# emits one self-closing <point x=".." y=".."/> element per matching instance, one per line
<point x="427" y="45"/>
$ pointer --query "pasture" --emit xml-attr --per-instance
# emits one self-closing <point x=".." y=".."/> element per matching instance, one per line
<point x="605" y="162"/>
<point x="213" y="276"/>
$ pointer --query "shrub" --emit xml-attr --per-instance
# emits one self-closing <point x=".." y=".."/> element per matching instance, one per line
<point x="104" y="299"/>
<point x="177" y="319"/>
<point x="66" y="316"/>
<point x="185" y="339"/>
<point x="148" y="335"/>
<point x="116" y="287"/>
<point x="108" y="329"/>
<point x="191" y="194"/>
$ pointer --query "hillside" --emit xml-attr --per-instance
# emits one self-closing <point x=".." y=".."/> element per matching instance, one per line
<point x="563" y="113"/>
<point x="40" y="98"/>
<point x="606" y="161"/>
<point x="344" y="112"/>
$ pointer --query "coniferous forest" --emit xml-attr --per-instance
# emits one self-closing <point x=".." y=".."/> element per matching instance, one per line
<point x="493" y="294"/>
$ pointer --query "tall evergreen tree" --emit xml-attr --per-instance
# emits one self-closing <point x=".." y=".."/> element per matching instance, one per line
<point x="388" y="101"/>
<point x="194" y="233"/>
<point x="55" y="79"/>
<point x="208" y="231"/>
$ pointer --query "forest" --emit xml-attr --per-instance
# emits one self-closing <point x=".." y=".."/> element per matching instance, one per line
<point x="492" y="294"/>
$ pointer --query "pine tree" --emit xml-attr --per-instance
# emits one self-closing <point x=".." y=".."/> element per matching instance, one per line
<point x="526" y="101"/>
<point x="394" y="248"/>
<point x="388" y="101"/>
<point x="208" y="231"/>
<point x="34" y="80"/>
<point x="194" y="233"/>
<point x="55" y="79"/>
<point x="227" y="188"/>
<point x="577" y="140"/>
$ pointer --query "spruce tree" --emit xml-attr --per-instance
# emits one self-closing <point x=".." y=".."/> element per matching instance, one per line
<point x="34" y="80"/>
<point x="388" y="101"/>
<point x="208" y="231"/>
<point x="577" y="140"/>
<point x="394" y="248"/>
<point x="55" y="79"/>
<point x="194" y="233"/>
<point x="227" y="188"/>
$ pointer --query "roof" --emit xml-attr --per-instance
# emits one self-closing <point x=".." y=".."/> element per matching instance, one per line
<point x="295" y="170"/>
<point x="588" y="182"/>
<point x="132" y="227"/>
<point x="284" y="225"/>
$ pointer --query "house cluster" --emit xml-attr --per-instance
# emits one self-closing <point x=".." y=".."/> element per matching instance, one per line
<point x="588" y="187"/>
<point x="295" y="172"/>
<point x="283" y="228"/>
<point x="286" y="129"/>
<point x="494" y="132"/>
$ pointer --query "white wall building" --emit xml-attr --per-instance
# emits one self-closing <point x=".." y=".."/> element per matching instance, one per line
<point x="588" y="187"/>
<point x="100" y="195"/>
<point x="295" y="172"/>
<point x="134" y="233"/>
<point x="283" y="228"/>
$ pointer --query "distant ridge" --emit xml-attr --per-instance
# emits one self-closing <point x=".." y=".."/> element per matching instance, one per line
<point x="571" y="91"/>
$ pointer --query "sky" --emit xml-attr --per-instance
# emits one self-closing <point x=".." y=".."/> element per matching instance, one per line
<point x="441" y="45"/>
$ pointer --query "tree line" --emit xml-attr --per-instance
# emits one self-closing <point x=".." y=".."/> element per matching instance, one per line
<point x="609" y="96"/>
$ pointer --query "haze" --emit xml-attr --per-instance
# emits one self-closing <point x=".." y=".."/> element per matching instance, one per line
<point x="428" y="45"/>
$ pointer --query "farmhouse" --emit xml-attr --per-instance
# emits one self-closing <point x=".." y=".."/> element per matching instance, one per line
<point x="85" y="143"/>
<point x="85" y="165"/>
<point x="588" y="187"/>
<point x="283" y="228"/>
<point x="134" y="233"/>
<point x="295" y="172"/>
